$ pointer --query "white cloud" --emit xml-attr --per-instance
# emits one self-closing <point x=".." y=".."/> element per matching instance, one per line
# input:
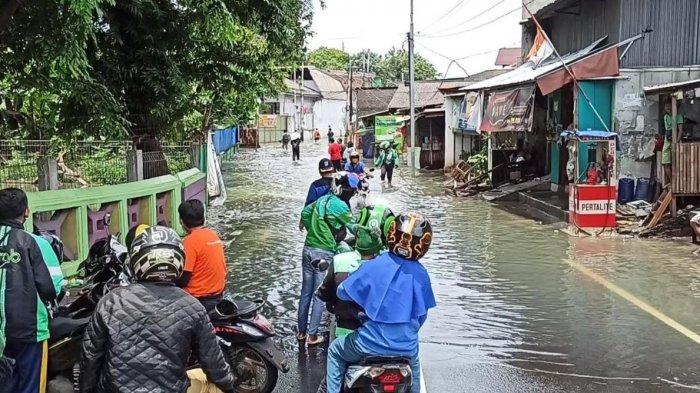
<point x="379" y="25"/>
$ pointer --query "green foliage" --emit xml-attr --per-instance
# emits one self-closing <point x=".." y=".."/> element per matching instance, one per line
<point x="329" y="59"/>
<point x="103" y="168"/>
<point x="109" y="69"/>
<point x="393" y="68"/>
<point x="178" y="162"/>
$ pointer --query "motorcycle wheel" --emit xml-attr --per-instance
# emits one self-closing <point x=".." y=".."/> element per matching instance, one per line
<point x="254" y="373"/>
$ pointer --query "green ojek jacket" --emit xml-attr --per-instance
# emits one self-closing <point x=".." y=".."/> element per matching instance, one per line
<point x="31" y="278"/>
<point x="325" y="219"/>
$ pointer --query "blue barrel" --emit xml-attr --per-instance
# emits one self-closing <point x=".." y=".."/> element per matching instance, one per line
<point x="626" y="190"/>
<point x="643" y="189"/>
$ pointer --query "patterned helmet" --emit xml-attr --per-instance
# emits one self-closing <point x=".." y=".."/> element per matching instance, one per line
<point x="410" y="235"/>
<point x="157" y="254"/>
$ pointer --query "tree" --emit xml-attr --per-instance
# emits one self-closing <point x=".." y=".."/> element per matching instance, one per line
<point x="393" y="68"/>
<point x="366" y="60"/>
<point x="329" y="59"/>
<point x="103" y="67"/>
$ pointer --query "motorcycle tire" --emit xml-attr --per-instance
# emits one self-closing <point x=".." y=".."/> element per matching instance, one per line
<point x="242" y="359"/>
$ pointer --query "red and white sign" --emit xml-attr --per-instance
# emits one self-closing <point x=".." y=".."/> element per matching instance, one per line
<point x="593" y="206"/>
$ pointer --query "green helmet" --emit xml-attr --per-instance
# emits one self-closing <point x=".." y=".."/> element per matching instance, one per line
<point x="368" y="240"/>
<point x="377" y="216"/>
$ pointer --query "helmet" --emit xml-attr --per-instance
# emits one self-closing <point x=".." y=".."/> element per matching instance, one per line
<point x="157" y="255"/>
<point x="345" y="185"/>
<point x="55" y="243"/>
<point x="325" y="166"/>
<point x="385" y="145"/>
<point x="410" y="235"/>
<point x="369" y="240"/>
<point x="354" y="154"/>
<point x="377" y="216"/>
<point x="133" y="233"/>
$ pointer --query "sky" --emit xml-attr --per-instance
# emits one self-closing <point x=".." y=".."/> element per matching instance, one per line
<point x="469" y="31"/>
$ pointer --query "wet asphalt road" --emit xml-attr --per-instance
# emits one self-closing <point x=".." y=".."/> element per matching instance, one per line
<point x="522" y="307"/>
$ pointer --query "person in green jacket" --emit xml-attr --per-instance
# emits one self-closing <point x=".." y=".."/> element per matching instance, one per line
<point x="387" y="159"/>
<point x="326" y="222"/>
<point x="31" y="278"/>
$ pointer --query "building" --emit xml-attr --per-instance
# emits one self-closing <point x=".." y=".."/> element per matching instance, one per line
<point x="314" y="99"/>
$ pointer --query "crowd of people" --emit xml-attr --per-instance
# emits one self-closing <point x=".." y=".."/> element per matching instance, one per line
<point x="377" y="288"/>
<point x="142" y="336"/>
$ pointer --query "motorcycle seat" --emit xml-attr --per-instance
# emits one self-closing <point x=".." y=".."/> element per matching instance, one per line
<point x="236" y="308"/>
<point x="376" y="360"/>
<point x="61" y="327"/>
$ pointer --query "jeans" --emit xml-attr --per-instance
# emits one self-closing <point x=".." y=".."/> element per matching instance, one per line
<point x="344" y="352"/>
<point x="311" y="280"/>
<point x="295" y="153"/>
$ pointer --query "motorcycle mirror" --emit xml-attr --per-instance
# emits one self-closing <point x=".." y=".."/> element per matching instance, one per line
<point x="372" y="169"/>
<point x="108" y="219"/>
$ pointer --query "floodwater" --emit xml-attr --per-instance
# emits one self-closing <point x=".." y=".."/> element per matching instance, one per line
<point x="522" y="307"/>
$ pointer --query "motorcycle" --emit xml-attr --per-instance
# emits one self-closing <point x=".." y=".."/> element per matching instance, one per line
<point x="374" y="374"/>
<point x="246" y="337"/>
<point x="105" y="268"/>
<point x="247" y="340"/>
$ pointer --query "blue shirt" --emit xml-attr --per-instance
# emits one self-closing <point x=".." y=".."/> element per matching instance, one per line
<point x="318" y="189"/>
<point x="358" y="168"/>
<point x="389" y="339"/>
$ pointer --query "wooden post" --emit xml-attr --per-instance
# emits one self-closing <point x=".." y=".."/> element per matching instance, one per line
<point x="47" y="172"/>
<point x="134" y="165"/>
<point x="674" y="156"/>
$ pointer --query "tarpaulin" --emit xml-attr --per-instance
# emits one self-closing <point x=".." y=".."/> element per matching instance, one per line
<point x="469" y="122"/>
<point x="509" y="110"/>
<point x="602" y="64"/>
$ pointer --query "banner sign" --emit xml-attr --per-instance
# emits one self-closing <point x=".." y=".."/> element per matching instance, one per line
<point x="386" y="128"/>
<point x="472" y="118"/>
<point x="509" y="110"/>
<point x="268" y="121"/>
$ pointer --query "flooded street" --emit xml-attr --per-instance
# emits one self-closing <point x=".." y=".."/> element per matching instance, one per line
<point x="521" y="306"/>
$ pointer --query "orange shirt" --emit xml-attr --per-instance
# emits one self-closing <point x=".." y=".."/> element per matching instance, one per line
<point x="204" y="258"/>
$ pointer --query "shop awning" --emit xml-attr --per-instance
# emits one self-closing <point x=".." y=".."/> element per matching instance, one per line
<point x="672" y="87"/>
<point x="591" y="62"/>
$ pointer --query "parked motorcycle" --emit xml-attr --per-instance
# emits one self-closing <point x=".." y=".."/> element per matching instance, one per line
<point x="373" y="374"/>
<point x="246" y="337"/>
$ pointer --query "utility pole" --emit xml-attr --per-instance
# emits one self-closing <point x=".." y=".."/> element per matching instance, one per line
<point x="301" y="110"/>
<point x="350" y="87"/>
<point x="294" y="83"/>
<point x="412" y="94"/>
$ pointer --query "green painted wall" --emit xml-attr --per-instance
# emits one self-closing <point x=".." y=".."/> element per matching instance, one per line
<point x="77" y="203"/>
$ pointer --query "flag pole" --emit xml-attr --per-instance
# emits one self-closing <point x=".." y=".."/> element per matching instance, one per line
<point x="567" y="68"/>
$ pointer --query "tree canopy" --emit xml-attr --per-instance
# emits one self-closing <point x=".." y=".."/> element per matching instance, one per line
<point x="107" y="68"/>
<point x="391" y="68"/>
<point x="329" y="58"/>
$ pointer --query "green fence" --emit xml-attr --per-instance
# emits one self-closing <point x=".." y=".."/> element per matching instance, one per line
<point x="79" y="216"/>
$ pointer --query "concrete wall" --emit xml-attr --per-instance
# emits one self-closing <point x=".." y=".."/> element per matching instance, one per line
<point x="451" y="112"/>
<point x="637" y="116"/>
<point x="329" y="113"/>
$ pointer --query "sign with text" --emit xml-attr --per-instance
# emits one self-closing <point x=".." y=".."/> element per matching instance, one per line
<point x="268" y="121"/>
<point x="387" y="128"/>
<point x="509" y="110"/>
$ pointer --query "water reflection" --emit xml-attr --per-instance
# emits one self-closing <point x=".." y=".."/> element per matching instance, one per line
<point x="507" y="295"/>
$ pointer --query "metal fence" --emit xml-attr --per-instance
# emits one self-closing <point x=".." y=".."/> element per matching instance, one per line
<point x="83" y="163"/>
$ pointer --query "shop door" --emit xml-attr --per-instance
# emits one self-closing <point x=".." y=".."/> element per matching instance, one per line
<point x="600" y="93"/>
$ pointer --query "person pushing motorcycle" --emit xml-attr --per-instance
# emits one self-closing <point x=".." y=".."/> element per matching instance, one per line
<point x="141" y="336"/>
<point x="326" y="222"/>
<point x="395" y="293"/>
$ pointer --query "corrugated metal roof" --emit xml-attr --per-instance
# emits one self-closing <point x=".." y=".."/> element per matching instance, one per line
<point x="329" y="87"/>
<point x="371" y="101"/>
<point x="526" y="73"/>
<point x="670" y="87"/>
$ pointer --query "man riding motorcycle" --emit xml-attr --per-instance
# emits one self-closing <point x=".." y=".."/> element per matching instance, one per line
<point x="326" y="222"/>
<point x="395" y="293"/>
<point x="373" y="224"/>
<point x="141" y="336"/>
<point x="354" y="165"/>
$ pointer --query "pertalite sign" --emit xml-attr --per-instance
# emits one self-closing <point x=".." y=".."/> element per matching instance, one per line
<point x="596" y="207"/>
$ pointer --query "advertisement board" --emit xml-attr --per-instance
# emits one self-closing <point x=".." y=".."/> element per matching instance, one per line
<point x="509" y="110"/>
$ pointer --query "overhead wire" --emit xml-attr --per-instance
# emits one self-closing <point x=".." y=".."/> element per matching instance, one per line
<point x="461" y="23"/>
<point x="441" y="17"/>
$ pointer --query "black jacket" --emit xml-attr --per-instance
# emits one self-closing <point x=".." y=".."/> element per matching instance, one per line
<point x="141" y="337"/>
<point x="27" y="284"/>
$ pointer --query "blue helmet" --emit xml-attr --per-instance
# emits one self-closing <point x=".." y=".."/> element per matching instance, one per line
<point x="345" y="185"/>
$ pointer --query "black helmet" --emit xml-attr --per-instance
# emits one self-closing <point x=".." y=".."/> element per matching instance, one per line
<point x="157" y="255"/>
<point x="133" y="233"/>
<point x="377" y="216"/>
<point x="55" y="243"/>
<point x="410" y="235"/>
<point x="345" y="185"/>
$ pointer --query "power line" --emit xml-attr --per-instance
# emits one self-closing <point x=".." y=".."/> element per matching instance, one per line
<point x="475" y="27"/>
<point x="457" y="5"/>
<point x="461" y="23"/>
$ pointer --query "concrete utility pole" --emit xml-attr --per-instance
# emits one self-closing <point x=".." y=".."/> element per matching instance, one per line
<point x="350" y="87"/>
<point x="412" y="94"/>
<point x="301" y="110"/>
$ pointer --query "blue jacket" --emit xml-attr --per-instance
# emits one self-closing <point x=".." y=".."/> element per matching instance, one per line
<point x="358" y="168"/>
<point x="318" y="189"/>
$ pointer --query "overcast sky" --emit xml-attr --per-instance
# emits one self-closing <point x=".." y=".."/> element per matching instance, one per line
<point x="469" y="30"/>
